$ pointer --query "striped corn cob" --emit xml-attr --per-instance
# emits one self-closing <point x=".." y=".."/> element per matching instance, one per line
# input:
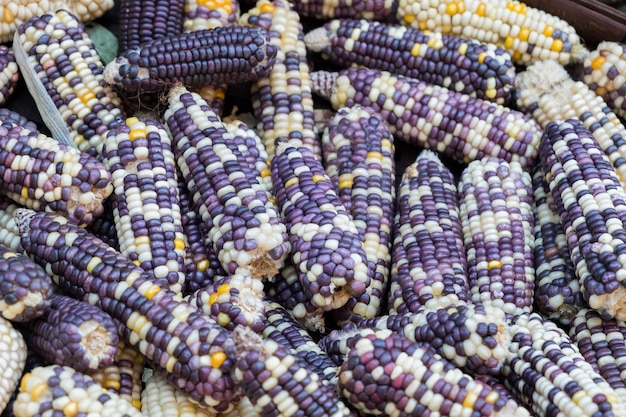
<point x="13" y="353"/>
<point x="358" y="155"/>
<point x="16" y="12"/>
<point x="386" y="374"/>
<point x="176" y="339"/>
<point x="40" y="173"/>
<point x="590" y="202"/>
<point x="243" y="223"/>
<point x="228" y="55"/>
<point x="604" y="72"/>
<point x="26" y="290"/>
<point x="428" y="260"/>
<point x="73" y="333"/>
<point x="456" y="125"/>
<point x="282" y="101"/>
<point x="361" y="9"/>
<point x="459" y="64"/>
<point x="9" y="234"/>
<point x="547" y="372"/>
<point x="546" y="91"/>
<point x="64" y="74"/>
<point x="496" y="211"/>
<point x="557" y="291"/>
<point x="60" y="390"/>
<point x="9" y="73"/>
<point x="279" y="383"/>
<point x="145" y="200"/>
<point x="326" y="248"/>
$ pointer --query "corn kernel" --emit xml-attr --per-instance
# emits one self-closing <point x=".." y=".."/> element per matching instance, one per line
<point x="267" y="8"/>
<point x="152" y="291"/>
<point x="70" y="409"/>
<point x="557" y="45"/>
<point x="494" y="264"/>
<point x="469" y="400"/>
<point x="524" y="32"/>
<point x="318" y="178"/>
<point x="452" y="9"/>
<point x="217" y="359"/>
<point x="137" y="134"/>
<point x="38" y="391"/>
<point x="179" y="244"/>
<point x="597" y="62"/>
<point x="7" y="15"/>
<point x="548" y="31"/>
<point x="291" y="181"/>
<point x="223" y="289"/>
<point x="481" y="10"/>
<point x="509" y="42"/>
<point x="203" y="265"/>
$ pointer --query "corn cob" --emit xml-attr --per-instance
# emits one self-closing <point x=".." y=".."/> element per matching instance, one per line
<point x="282" y="101"/>
<point x="60" y="390"/>
<point x="546" y="91"/>
<point x="42" y="174"/>
<point x="228" y="55"/>
<point x="176" y="339"/>
<point x="9" y="234"/>
<point x="64" y="74"/>
<point x="459" y="64"/>
<point x="380" y="10"/>
<point x="547" y="372"/>
<point x="589" y="199"/>
<point x="432" y="117"/>
<point x="103" y="226"/>
<point x="32" y="360"/>
<point x="557" y="291"/>
<point x="12" y="360"/>
<point x="9" y="73"/>
<point x="496" y="212"/>
<point x="429" y="259"/>
<point x="386" y="374"/>
<point x="73" y="333"/>
<point x="279" y="383"/>
<point x="243" y="223"/>
<point x="604" y="72"/>
<point x="26" y="289"/>
<point x="145" y="199"/>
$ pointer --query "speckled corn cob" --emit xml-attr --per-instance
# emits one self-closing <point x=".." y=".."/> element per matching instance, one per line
<point x="279" y="383"/>
<point x="64" y="74"/>
<point x="145" y="199"/>
<point x="9" y="73"/>
<point x="495" y="200"/>
<point x="547" y="372"/>
<point x="428" y="259"/>
<point x="361" y="9"/>
<point x="40" y="173"/>
<point x="460" y="64"/>
<point x="282" y="101"/>
<point x="60" y="390"/>
<point x="73" y="333"/>
<point x="145" y="20"/>
<point x="604" y="70"/>
<point x="557" y="291"/>
<point x="386" y="374"/>
<point x="175" y="338"/>
<point x="456" y="125"/>
<point x="13" y="352"/>
<point x="591" y="204"/>
<point x="26" y="289"/>
<point x="9" y="234"/>
<point x="243" y="223"/>
<point x="228" y="55"/>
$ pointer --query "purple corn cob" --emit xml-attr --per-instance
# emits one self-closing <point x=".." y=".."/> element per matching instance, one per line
<point x="380" y="10"/>
<point x="9" y="73"/>
<point x="428" y="254"/>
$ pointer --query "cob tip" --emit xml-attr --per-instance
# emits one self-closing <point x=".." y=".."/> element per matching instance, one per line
<point x="323" y="83"/>
<point x="23" y="217"/>
<point x="611" y="305"/>
<point x="317" y="39"/>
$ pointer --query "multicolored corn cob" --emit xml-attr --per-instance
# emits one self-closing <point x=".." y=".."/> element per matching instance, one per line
<point x="557" y="291"/>
<point x="73" y="333"/>
<point x="194" y="352"/>
<point x="546" y="91"/>
<point x="379" y="10"/>
<point x="26" y="289"/>
<point x="64" y="74"/>
<point x="9" y="73"/>
<point x="456" y="125"/>
<point x="459" y="64"/>
<point x="386" y="374"/>
<point x="40" y="173"/>
<point x="428" y="260"/>
<point x="604" y="72"/>
<point x="61" y="390"/>
<point x="547" y="372"/>
<point x="496" y="211"/>
<point x="243" y="223"/>
<point x="9" y="234"/>
<point x="590" y="201"/>
<point x="13" y="353"/>
<point x="282" y="101"/>
<point x="145" y="200"/>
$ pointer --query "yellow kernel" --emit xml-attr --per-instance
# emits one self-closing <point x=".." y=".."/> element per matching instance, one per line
<point x="509" y="42"/>
<point x="7" y="15"/>
<point x="597" y="62"/>
<point x="469" y="400"/>
<point x="38" y="391"/>
<point x="89" y="95"/>
<point x="267" y="8"/>
<point x="137" y="262"/>
<point x="318" y="178"/>
<point x="481" y="57"/>
<point x="481" y="10"/>
<point x="423" y="25"/>
<point x="142" y="240"/>
<point x="179" y="244"/>
<point x="462" y="48"/>
<point x="548" y="31"/>
<point x="492" y="397"/>
<point x="152" y="291"/>
<point x="409" y="18"/>
<point x="434" y="42"/>
<point x="460" y="6"/>
<point x="579" y="395"/>
<point x="223" y="289"/>
<point x="137" y="134"/>
<point x="452" y="9"/>
<point x="24" y="381"/>
<point x="131" y="121"/>
<point x="557" y="45"/>
<point x="217" y="359"/>
<point x="494" y="264"/>
<point x="265" y="173"/>
<point x="415" y="50"/>
<point x="92" y="264"/>
<point x="70" y="409"/>
<point x="517" y="56"/>
<point x="137" y="403"/>
<point x="374" y="155"/>
<point x="212" y="299"/>
<point x="291" y="181"/>
<point x="220" y="93"/>
<point x="345" y="183"/>
<point x="524" y="33"/>
<point x="24" y="192"/>
<point x="203" y="265"/>
<point x="112" y="384"/>
<point x="8" y="255"/>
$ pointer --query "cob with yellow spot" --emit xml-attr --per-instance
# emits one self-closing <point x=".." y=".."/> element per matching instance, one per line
<point x="604" y="71"/>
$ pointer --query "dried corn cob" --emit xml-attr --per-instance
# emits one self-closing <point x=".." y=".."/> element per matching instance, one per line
<point x="175" y="338"/>
<point x="557" y="291"/>
<point x="43" y="174"/>
<point x="428" y="254"/>
<point x="60" y="390"/>
<point x="73" y="333"/>
<point x="604" y="73"/>
<point x="590" y="201"/>
<point x="387" y="374"/>
<point x="496" y="211"/>
<point x="64" y="74"/>
<point x="546" y="91"/>
<point x="9" y="234"/>
<point x="145" y="199"/>
<point x="282" y="101"/>
<point x="547" y="372"/>
<point x="459" y="64"/>
<point x="330" y="9"/>
<point x="432" y="117"/>
<point x="12" y="360"/>
<point x="26" y="289"/>
<point x="9" y="73"/>
<point x="244" y="225"/>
